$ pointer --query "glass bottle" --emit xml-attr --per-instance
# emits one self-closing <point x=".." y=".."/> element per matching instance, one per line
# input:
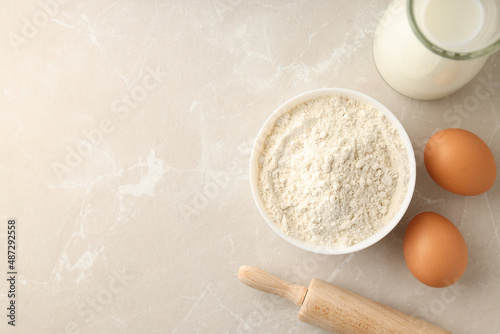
<point x="428" y="49"/>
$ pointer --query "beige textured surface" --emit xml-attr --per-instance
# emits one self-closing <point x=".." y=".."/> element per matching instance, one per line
<point x="143" y="229"/>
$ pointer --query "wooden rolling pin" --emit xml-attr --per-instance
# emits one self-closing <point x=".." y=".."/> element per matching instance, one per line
<point x="336" y="310"/>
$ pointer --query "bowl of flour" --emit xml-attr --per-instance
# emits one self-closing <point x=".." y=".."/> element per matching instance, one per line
<point x="332" y="171"/>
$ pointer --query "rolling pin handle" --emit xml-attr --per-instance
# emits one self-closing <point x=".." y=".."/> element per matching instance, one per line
<point x="261" y="280"/>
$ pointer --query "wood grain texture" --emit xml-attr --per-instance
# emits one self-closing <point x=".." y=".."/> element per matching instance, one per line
<point x="340" y="311"/>
<point x="264" y="281"/>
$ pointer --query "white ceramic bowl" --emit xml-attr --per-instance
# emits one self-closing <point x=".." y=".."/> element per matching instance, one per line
<point x="267" y="127"/>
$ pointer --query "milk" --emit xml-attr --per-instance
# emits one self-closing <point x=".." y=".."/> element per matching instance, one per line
<point x="451" y="23"/>
<point x="410" y="67"/>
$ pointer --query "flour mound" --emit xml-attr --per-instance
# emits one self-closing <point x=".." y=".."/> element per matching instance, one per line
<point x="333" y="171"/>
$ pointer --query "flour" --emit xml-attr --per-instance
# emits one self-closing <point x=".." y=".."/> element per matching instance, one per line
<point x="333" y="171"/>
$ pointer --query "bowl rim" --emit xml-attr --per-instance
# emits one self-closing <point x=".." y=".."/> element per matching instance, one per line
<point x="267" y="127"/>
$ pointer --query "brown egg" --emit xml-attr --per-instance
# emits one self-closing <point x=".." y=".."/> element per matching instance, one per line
<point x="434" y="250"/>
<point x="460" y="162"/>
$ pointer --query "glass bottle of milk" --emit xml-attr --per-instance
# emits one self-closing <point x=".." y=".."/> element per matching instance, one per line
<point x="428" y="49"/>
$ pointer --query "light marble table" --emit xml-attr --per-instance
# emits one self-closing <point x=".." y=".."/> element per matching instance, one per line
<point x="126" y="129"/>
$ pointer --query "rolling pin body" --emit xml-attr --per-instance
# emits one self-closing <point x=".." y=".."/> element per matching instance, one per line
<point x="340" y="311"/>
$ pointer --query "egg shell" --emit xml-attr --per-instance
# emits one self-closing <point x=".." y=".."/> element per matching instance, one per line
<point x="434" y="250"/>
<point x="460" y="162"/>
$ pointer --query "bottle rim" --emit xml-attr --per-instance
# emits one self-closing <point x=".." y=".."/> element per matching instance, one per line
<point x="442" y="51"/>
